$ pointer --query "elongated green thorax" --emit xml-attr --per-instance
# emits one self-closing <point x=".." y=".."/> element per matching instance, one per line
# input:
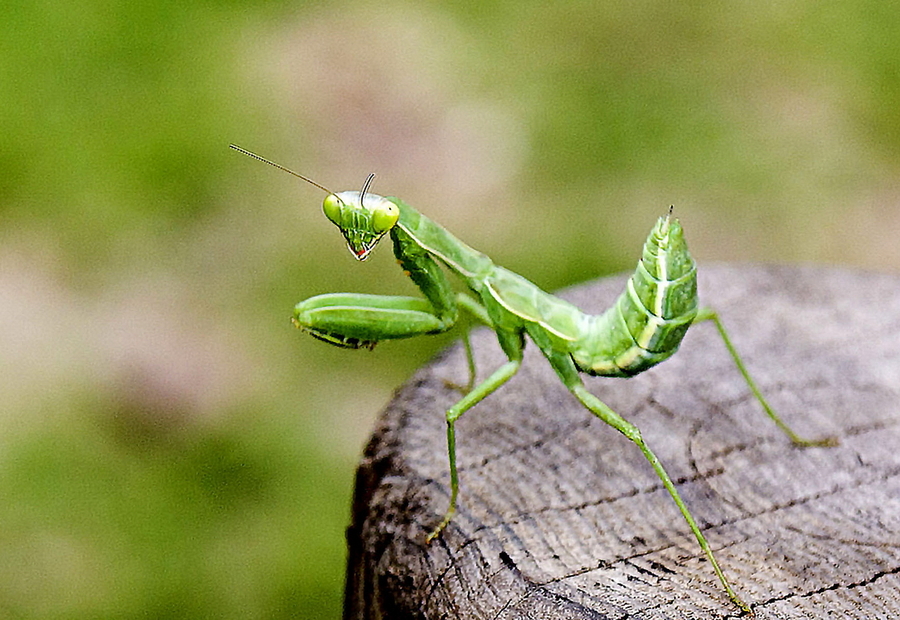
<point x="652" y="315"/>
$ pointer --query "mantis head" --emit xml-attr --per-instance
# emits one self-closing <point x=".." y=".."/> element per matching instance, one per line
<point x="363" y="218"/>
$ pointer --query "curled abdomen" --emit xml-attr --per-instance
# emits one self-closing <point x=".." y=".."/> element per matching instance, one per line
<point x="650" y="318"/>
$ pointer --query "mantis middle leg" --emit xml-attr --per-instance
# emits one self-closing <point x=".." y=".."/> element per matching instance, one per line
<point x="512" y="344"/>
<point x="466" y="302"/>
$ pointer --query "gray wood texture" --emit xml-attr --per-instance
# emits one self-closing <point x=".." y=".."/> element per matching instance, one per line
<point x="561" y="518"/>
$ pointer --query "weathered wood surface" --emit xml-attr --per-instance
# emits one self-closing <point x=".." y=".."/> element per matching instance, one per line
<point x="561" y="517"/>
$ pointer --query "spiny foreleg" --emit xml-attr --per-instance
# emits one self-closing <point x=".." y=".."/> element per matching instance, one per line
<point x="355" y="320"/>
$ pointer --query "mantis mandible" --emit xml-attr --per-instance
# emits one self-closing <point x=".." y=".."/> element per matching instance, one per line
<point x="643" y="328"/>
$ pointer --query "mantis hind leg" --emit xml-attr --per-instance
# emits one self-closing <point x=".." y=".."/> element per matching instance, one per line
<point x="565" y="368"/>
<point x="708" y="314"/>
<point x="602" y="411"/>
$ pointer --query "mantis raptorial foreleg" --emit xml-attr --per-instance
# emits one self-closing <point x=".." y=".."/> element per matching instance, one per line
<point x="643" y="328"/>
<point x="354" y="320"/>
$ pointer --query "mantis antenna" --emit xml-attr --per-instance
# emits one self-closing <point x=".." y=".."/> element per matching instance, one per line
<point x="365" y="187"/>
<point x="289" y="171"/>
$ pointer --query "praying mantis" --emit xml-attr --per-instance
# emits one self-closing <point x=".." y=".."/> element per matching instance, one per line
<point x="641" y="329"/>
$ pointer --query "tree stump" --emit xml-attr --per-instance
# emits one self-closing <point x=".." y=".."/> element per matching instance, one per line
<point x="561" y="517"/>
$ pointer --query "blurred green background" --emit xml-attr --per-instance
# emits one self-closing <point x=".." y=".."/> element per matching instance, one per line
<point x="169" y="445"/>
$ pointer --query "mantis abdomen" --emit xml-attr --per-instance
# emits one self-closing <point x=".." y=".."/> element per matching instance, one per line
<point x="649" y="319"/>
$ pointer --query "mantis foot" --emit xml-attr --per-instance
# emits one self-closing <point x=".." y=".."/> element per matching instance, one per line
<point x="440" y="528"/>
<point x="462" y="389"/>
<point x="826" y="442"/>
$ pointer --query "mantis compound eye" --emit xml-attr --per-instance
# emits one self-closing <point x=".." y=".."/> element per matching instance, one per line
<point x="332" y="208"/>
<point x="384" y="216"/>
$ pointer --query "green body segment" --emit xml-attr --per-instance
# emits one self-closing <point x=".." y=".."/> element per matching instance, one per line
<point x="416" y="234"/>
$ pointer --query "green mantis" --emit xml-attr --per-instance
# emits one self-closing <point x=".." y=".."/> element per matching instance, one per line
<point x="643" y="328"/>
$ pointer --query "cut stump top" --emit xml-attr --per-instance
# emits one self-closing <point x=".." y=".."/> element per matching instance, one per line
<point x="561" y="517"/>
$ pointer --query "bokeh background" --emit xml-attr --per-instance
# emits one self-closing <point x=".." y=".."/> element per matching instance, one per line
<point x="170" y="446"/>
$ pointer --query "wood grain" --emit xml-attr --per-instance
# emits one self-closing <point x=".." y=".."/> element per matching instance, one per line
<point x="561" y="517"/>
